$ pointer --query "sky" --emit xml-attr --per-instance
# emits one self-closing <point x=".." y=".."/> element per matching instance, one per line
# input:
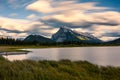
<point x="20" y="18"/>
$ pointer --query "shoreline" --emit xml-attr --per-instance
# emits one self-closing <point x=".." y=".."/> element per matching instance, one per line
<point x="18" y="48"/>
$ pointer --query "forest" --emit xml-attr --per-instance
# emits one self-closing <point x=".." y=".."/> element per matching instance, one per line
<point x="12" y="41"/>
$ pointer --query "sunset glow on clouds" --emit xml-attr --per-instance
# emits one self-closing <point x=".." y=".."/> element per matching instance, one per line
<point x="24" y="17"/>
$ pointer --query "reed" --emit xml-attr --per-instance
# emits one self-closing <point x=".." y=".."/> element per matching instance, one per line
<point x="55" y="70"/>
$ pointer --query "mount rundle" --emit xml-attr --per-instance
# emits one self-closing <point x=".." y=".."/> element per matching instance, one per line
<point x="64" y="34"/>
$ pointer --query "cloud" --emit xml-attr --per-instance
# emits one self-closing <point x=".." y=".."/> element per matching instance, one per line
<point x="113" y="34"/>
<point x="13" y="24"/>
<point x="22" y="28"/>
<point x="75" y="14"/>
<point x="106" y="38"/>
<point x="55" y="6"/>
<point x="32" y="16"/>
<point x="43" y="6"/>
<point x="103" y="31"/>
<point x="19" y="3"/>
<point x="83" y="19"/>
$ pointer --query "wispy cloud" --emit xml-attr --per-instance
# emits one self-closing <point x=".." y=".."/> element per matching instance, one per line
<point x="12" y="27"/>
<point x="19" y="3"/>
<point x="32" y="16"/>
<point x="53" y="6"/>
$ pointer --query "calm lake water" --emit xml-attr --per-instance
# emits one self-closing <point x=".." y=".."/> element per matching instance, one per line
<point x="98" y="55"/>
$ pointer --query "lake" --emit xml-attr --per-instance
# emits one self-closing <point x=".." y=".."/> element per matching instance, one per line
<point x="98" y="55"/>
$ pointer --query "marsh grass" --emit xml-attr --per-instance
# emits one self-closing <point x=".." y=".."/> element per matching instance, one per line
<point x="53" y="70"/>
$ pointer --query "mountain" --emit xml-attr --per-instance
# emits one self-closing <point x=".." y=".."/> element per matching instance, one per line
<point x="65" y="34"/>
<point x="38" y="39"/>
<point x="115" y="41"/>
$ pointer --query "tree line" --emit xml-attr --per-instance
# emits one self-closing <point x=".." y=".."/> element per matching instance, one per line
<point x="12" y="41"/>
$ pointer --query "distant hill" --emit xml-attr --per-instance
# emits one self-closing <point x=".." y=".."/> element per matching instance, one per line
<point x="65" y="34"/>
<point x="37" y="39"/>
<point x="115" y="41"/>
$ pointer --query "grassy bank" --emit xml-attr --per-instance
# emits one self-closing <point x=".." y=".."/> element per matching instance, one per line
<point x="10" y="48"/>
<point x="52" y="70"/>
<point x="17" y="48"/>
